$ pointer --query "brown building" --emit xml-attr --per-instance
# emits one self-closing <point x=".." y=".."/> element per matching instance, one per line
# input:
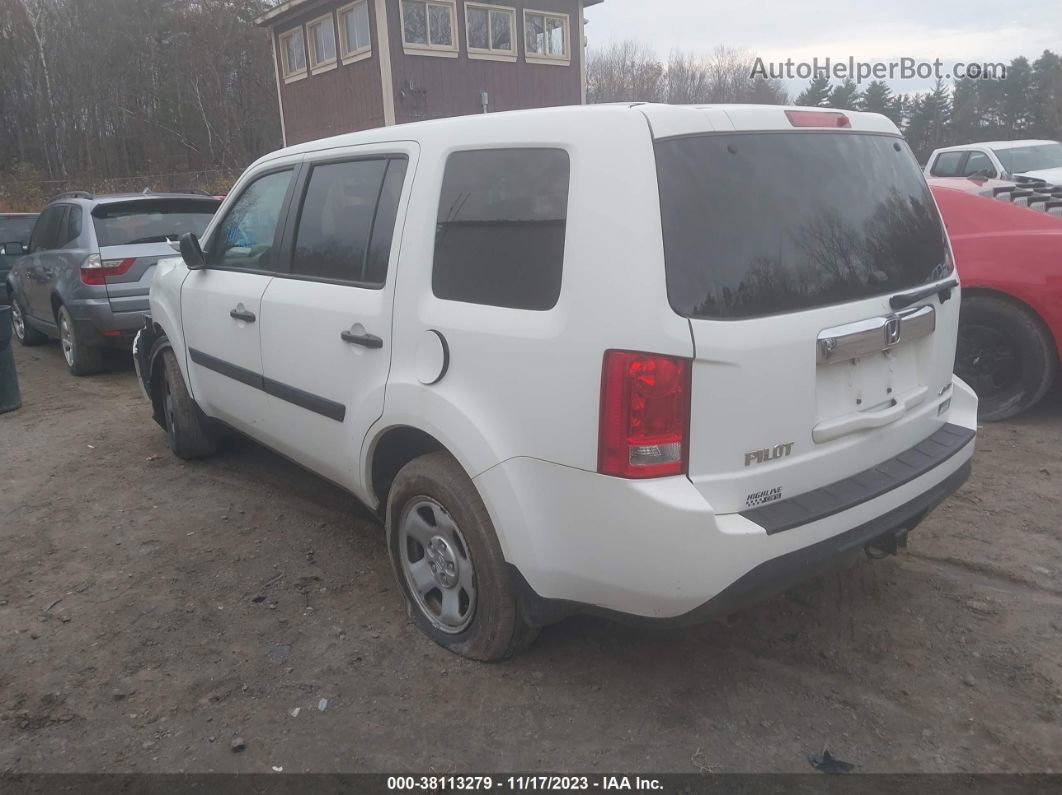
<point x="343" y="66"/>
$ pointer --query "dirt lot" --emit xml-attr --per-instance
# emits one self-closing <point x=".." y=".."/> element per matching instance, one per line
<point x="152" y="610"/>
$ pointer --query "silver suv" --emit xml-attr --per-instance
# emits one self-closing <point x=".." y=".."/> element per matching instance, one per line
<point x="90" y="263"/>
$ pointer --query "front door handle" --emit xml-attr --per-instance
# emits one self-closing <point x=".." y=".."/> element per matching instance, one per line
<point x="242" y="314"/>
<point x="364" y="340"/>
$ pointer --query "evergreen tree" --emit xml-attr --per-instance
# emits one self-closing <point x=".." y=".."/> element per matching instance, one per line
<point x="1017" y="112"/>
<point x="1047" y="96"/>
<point x="845" y="96"/>
<point x="817" y="94"/>
<point x="878" y="98"/>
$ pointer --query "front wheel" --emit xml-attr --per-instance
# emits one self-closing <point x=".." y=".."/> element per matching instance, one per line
<point x="449" y="564"/>
<point x="81" y="359"/>
<point x="1005" y="354"/>
<point x="187" y="429"/>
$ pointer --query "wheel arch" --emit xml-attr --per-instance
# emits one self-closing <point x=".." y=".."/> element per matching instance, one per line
<point x="1053" y="335"/>
<point x="390" y="450"/>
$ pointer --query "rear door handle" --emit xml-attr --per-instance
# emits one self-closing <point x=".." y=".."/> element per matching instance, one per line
<point x="242" y="314"/>
<point x="364" y="340"/>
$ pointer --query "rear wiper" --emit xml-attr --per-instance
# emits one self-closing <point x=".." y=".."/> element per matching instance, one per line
<point x="904" y="300"/>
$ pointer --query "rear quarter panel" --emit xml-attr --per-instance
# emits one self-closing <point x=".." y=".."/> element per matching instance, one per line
<point x="1007" y="249"/>
<point x="165" y="306"/>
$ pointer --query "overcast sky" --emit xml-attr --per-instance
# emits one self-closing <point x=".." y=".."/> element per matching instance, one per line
<point x="952" y="30"/>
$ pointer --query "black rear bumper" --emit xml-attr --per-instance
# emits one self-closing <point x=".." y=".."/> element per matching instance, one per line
<point x="770" y="577"/>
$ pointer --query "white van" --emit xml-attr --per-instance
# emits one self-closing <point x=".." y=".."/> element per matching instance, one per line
<point x="643" y="361"/>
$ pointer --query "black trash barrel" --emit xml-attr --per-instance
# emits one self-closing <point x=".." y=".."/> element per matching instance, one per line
<point x="10" y="398"/>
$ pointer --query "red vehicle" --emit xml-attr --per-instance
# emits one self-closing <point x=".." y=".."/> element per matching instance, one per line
<point x="1010" y="330"/>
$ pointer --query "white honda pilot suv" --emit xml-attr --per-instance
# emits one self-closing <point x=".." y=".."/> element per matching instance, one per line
<point x="643" y="361"/>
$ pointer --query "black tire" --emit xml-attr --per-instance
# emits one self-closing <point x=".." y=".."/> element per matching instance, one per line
<point x="81" y="359"/>
<point x="23" y="331"/>
<point x="496" y="629"/>
<point x="1006" y="354"/>
<point x="188" y="431"/>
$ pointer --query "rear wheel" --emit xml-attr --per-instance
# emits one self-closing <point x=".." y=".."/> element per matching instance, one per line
<point x="24" y="332"/>
<point x="187" y="430"/>
<point x="449" y="563"/>
<point x="1005" y="354"/>
<point x="82" y="359"/>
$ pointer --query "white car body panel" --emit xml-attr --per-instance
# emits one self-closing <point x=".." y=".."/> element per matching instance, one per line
<point x="519" y="404"/>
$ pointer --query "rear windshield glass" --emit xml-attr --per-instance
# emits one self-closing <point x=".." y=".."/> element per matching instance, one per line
<point x="146" y="221"/>
<point x="766" y="223"/>
<point x="16" y="230"/>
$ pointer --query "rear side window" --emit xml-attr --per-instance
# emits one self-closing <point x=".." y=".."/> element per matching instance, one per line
<point x="347" y="220"/>
<point x="151" y="220"/>
<point x="73" y="227"/>
<point x="502" y="221"/>
<point x="947" y="164"/>
<point x="767" y="223"/>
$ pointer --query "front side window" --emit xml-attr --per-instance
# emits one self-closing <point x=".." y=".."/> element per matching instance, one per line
<point x="429" y="25"/>
<point x="768" y="223"/>
<point x="354" y="30"/>
<point x="245" y="239"/>
<point x="151" y="220"/>
<point x="947" y="164"/>
<point x="490" y="30"/>
<point x="501" y="228"/>
<point x="979" y="164"/>
<point x="547" y="36"/>
<point x="347" y="220"/>
<point x="322" y="35"/>
<point x="293" y="54"/>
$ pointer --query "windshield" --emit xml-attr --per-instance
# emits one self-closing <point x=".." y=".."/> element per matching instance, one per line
<point x="765" y="223"/>
<point x="16" y="229"/>
<point x="149" y="221"/>
<point x="1030" y="158"/>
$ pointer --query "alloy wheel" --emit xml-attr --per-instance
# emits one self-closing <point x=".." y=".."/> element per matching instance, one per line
<point x="66" y="338"/>
<point x="18" y="323"/>
<point x="987" y="359"/>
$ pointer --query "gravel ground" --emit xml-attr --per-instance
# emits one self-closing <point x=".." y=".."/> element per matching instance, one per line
<point x="152" y="611"/>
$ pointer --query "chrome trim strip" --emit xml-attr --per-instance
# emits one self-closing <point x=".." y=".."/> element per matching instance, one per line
<point x="874" y="335"/>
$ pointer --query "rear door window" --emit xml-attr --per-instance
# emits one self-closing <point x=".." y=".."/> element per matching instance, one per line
<point x="347" y="220"/>
<point x="767" y="223"/>
<point x="502" y="222"/>
<point x="16" y="230"/>
<point x="151" y="220"/>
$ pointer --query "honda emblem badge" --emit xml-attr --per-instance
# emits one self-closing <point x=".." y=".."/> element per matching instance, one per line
<point x="892" y="331"/>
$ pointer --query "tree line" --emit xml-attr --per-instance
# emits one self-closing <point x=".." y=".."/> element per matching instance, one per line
<point x="131" y="94"/>
<point x="1027" y="103"/>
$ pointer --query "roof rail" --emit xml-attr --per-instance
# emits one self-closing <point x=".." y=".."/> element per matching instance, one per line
<point x="72" y="194"/>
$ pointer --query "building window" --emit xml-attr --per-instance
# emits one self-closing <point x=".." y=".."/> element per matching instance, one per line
<point x="501" y="228"/>
<point x="354" y="40"/>
<point x="293" y="54"/>
<point x="429" y="28"/>
<point x="491" y="31"/>
<point x="322" y="35"/>
<point x="548" y="37"/>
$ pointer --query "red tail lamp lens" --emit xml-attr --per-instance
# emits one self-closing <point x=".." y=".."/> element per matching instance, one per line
<point x="645" y="413"/>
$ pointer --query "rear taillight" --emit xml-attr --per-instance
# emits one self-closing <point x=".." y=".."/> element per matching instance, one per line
<point x="94" y="271"/>
<point x="645" y="415"/>
<point x="818" y="118"/>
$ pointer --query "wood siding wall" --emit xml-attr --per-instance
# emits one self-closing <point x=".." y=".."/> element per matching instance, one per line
<point x="350" y="98"/>
<point x="346" y="99"/>
<point x="428" y="87"/>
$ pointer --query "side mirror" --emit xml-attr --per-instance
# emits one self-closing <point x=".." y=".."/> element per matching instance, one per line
<point x="14" y="249"/>
<point x="192" y="252"/>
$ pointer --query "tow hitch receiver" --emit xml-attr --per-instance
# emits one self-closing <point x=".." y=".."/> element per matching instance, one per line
<point x="886" y="544"/>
